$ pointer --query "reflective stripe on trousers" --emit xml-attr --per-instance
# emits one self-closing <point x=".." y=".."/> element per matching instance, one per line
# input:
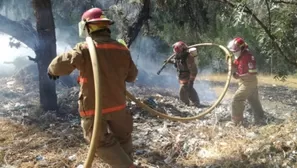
<point x="104" y="111"/>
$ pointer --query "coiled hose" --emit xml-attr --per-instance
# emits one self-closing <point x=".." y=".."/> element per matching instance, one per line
<point x="98" y="93"/>
<point x="184" y="119"/>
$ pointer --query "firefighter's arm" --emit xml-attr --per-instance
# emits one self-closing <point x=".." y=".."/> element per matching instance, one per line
<point x="65" y="63"/>
<point x="132" y="72"/>
<point x="234" y="69"/>
<point x="192" y="67"/>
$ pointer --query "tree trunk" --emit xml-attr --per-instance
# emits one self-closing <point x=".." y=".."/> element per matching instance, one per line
<point x="142" y="18"/>
<point x="45" y="51"/>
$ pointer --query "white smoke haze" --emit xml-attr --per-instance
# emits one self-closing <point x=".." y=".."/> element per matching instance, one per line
<point x="9" y="54"/>
<point x="145" y="52"/>
<point x="62" y="47"/>
<point x="13" y="59"/>
<point x="149" y="60"/>
<point x="145" y="55"/>
<point x="17" y="10"/>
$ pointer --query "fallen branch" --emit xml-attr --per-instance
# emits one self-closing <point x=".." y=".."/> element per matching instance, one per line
<point x="32" y="59"/>
<point x="285" y="2"/>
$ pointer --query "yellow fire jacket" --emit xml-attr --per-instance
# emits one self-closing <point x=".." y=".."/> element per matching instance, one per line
<point x="186" y="67"/>
<point x="116" y="65"/>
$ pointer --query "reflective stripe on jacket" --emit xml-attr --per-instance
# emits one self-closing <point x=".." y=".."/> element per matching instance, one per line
<point x="116" y="67"/>
<point x="245" y="64"/>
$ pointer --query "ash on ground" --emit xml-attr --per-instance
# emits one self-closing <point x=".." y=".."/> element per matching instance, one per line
<point x="158" y="142"/>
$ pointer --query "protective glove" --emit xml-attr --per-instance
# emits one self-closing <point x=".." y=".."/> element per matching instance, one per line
<point x="235" y="75"/>
<point x="172" y="61"/>
<point x="53" y="77"/>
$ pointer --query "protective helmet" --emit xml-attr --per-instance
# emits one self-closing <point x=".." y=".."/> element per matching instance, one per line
<point x="179" y="46"/>
<point x="94" y="15"/>
<point x="237" y="44"/>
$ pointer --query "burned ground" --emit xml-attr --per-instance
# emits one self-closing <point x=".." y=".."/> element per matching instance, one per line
<point x="31" y="138"/>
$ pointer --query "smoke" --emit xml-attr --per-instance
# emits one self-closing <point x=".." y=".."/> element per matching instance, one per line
<point x="17" y="10"/>
<point x="14" y="54"/>
<point x="149" y="57"/>
<point x="148" y="52"/>
<point x="62" y="47"/>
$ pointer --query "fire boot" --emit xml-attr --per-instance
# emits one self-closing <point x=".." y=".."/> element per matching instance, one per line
<point x="115" y="156"/>
<point x="184" y="94"/>
<point x="128" y="148"/>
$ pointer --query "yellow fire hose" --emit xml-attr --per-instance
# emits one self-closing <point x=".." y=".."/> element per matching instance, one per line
<point x="98" y="102"/>
<point x="98" y="93"/>
<point x="183" y="119"/>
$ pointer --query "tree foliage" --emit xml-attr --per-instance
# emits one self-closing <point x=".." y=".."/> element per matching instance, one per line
<point x="268" y="26"/>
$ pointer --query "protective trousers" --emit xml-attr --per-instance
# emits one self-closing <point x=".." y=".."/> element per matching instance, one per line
<point x="248" y="90"/>
<point x="187" y="92"/>
<point x="115" y="143"/>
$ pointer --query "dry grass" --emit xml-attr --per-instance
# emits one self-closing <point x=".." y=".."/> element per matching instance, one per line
<point x="225" y="147"/>
<point x="234" y="147"/>
<point x="219" y="89"/>
<point x="291" y="81"/>
<point x="22" y="145"/>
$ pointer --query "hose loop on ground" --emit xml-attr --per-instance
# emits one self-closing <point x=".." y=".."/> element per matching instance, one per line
<point x="98" y="98"/>
<point x="199" y="116"/>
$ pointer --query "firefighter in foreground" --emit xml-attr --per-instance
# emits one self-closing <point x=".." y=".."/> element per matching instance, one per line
<point x="117" y="67"/>
<point x="244" y="69"/>
<point x="187" y="71"/>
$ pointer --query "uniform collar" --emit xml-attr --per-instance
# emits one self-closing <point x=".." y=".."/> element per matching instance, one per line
<point x="101" y="35"/>
<point x="182" y="55"/>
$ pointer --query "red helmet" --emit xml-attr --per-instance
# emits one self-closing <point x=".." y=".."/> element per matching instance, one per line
<point x="179" y="46"/>
<point x="94" y="15"/>
<point x="237" y="44"/>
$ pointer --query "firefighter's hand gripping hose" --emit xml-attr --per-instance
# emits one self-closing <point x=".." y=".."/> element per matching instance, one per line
<point x="97" y="121"/>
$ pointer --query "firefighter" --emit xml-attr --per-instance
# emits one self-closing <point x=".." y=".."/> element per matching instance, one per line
<point x="187" y="70"/>
<point x="117" y="67"/>
<point x="244" y="69"/>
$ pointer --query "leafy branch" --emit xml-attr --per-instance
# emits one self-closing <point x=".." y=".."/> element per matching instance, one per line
<point x="269" y="14"/>
<point x="247" y="10"/>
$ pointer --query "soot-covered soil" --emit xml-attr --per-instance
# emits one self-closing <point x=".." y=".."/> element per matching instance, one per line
<point x="32" y="138"/>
